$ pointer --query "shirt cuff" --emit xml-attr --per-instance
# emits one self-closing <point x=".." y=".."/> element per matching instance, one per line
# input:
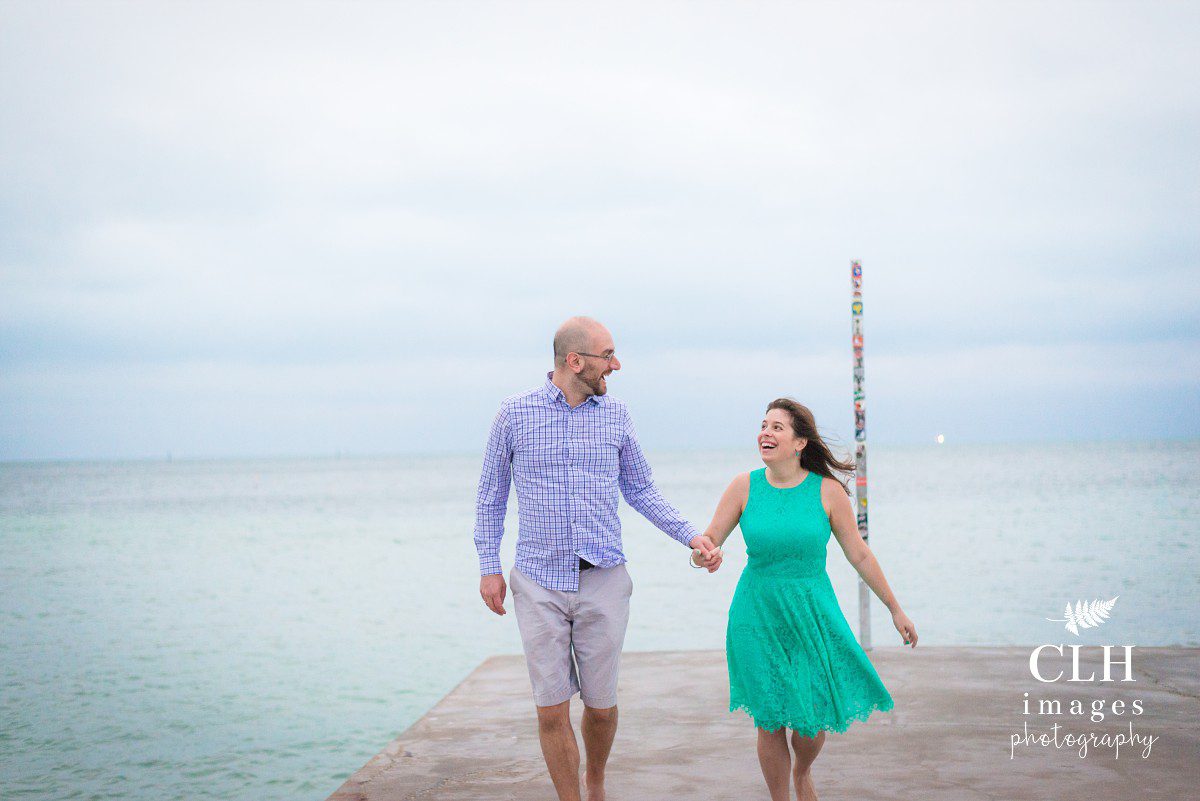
<point x="489" y="565"/>
<point x="686" y="535"/>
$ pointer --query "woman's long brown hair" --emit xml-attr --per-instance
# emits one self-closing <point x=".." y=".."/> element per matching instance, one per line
<point x="816" y="455"/>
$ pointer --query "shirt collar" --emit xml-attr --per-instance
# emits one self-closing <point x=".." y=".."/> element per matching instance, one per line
<point x="553" y="393"/>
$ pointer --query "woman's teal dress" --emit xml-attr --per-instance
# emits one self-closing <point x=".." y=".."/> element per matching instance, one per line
<point x="793" y="660"/>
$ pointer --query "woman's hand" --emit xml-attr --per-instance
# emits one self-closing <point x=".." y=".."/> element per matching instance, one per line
<point x="906" y="628"/>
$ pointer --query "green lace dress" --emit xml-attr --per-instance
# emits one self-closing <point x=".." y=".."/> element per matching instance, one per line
<point x="793" y="660"/>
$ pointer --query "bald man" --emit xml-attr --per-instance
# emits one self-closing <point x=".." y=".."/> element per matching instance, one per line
<point x="568" y="447"/>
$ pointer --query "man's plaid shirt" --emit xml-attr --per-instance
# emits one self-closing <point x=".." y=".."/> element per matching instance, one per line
<point x="567" y="465"/>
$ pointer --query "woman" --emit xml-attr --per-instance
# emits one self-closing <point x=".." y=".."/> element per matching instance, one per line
<point x="793" y="660"/>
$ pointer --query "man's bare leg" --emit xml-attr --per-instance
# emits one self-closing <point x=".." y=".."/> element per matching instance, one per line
<point x="560" y="749"/>
<point x="599" y="728"/>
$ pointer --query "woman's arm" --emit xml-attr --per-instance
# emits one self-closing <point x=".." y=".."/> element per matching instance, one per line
<point x="729" y="509"/>
<point x="726" y="517"/>
<point x="860" y="556"/>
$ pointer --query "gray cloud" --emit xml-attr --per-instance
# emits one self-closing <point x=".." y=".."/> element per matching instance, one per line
<point x="361" y="210"/>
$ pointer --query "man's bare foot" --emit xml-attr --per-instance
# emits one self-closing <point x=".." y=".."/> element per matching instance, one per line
<point x="595" y="787"/>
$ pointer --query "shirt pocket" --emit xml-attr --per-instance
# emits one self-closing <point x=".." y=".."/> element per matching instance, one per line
<point x="599" y="457"/>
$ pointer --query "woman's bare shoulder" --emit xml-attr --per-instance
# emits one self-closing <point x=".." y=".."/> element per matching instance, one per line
<point x="739" y="488"/>
<point x="740" y="484"/>
<point x="831" y="487"/>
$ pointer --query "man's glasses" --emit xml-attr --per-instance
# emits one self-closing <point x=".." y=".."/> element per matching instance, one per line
<point x="607" y="358"/>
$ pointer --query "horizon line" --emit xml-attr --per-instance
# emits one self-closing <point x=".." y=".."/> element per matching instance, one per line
<point x="362" y="455"/>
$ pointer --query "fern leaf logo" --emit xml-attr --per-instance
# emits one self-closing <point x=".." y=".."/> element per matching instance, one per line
<point x="1085" y="615"/>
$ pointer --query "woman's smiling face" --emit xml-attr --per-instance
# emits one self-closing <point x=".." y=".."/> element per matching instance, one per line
<point x="777" y="440"/>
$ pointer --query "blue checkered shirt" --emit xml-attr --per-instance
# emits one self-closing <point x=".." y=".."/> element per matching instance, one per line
<point x="568" y="465"/>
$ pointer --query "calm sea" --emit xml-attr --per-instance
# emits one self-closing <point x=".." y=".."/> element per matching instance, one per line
<point x="259" y="629"/>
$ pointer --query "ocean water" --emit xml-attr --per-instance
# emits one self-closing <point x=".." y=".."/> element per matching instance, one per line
<point x="259" y="629"/>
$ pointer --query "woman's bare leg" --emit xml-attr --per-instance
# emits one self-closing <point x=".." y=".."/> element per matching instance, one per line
<point x="806" y="749"/>
<point x="776" y="761"/>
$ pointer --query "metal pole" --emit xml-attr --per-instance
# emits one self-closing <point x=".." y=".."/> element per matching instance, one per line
<point x="860" y="446"/>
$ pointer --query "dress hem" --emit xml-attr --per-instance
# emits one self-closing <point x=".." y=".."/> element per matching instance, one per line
<point x="811" y="730"/>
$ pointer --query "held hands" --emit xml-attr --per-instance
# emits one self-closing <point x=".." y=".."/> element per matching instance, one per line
<point x="492" y="590"/>
<point x="711" y="562"/>
<point x="705" y="554"/>
<point x="906" y="628"/>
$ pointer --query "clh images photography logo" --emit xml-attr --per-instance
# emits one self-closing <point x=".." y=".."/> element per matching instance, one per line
<point x="1049" y="711"/>
<point x="1085" y="615"/>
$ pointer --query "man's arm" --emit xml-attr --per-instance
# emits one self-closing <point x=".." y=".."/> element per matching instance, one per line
<point x="491" y="500"/>
<point x="637" y="485"/>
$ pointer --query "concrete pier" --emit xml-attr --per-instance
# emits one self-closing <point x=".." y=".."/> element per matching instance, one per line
<point x="948" y="738"/>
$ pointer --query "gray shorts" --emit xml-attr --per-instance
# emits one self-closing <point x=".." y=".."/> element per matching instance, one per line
<point x="573" y="639"/>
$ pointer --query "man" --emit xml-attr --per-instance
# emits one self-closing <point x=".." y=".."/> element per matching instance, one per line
<point x="568" y="447"/>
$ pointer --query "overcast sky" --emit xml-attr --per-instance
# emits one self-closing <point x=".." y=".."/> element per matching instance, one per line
<point x="283" y="229"/>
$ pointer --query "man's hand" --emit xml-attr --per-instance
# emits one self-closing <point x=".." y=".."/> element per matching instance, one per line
<point x="492" y="589"/>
